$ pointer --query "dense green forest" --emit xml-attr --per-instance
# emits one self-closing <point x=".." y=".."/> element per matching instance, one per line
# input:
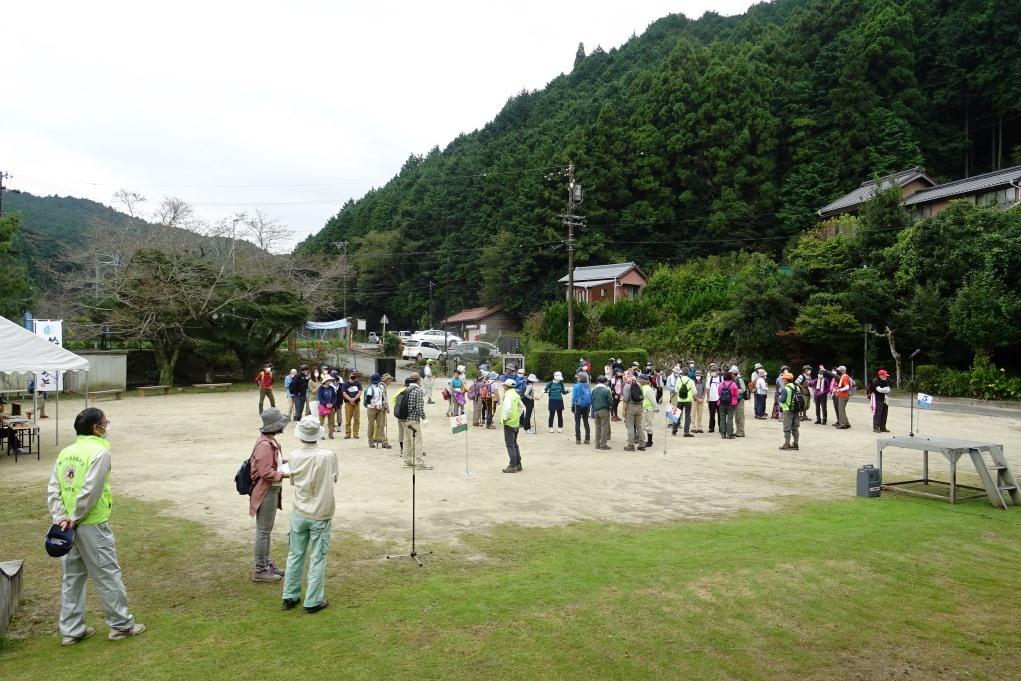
<point x="52" y="225"/>
<point x="698" y="137"/>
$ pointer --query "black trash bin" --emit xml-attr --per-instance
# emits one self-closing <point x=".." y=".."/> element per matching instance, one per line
<point x="386" y="365"/>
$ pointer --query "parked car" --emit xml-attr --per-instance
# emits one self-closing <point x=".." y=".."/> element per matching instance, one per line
<point x="474" y="351"/>
<point x="438" y="337"/>
<point x="421" y="349"/>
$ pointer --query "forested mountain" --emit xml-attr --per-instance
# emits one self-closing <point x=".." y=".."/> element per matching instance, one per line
<point x="697" y="137"/>
<point x="50" y="225"/>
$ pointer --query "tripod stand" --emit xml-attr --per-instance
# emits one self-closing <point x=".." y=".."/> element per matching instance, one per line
<point x="414" y="552"/>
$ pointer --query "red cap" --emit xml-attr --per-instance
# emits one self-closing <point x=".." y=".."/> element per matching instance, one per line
<point x="883" y="373"/>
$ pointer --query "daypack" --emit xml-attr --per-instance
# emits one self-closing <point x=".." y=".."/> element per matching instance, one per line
<point x="583" y="397"/>
<point x="728" y="396"/>
<point x="853" y="387"/>
<point x="800" y="401"/>
<point x="682" y="389"/>
<point x="243" y="478"/>
<point x="635" y="393"/>
<point x="401" y="406"/>
<point x="368" y="395"/>
<point x="485" y="391"/>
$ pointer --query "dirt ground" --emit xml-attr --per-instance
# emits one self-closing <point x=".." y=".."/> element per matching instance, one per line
<point x="183" y="449"/>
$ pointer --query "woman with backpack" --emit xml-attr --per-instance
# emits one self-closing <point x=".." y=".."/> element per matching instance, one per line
<point x="556" y="391"/>
<point x="617" y="388"/>
<point x="267" y="472"/>
<point x="727" y="391"/>
<point x="327" y="396"/>
<point x="581" y="404"/>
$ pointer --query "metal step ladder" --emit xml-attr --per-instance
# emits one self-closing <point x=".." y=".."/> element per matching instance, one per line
<point x="996" y="477"/>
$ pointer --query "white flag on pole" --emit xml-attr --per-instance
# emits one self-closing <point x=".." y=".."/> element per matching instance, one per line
<point x="924" y="401"/>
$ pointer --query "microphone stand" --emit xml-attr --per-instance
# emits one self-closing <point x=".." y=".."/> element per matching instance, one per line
<point x="414" y="552"/>
<point x="911" y="397"/>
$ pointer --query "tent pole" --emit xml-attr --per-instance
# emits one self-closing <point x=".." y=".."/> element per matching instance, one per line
<point x="56" y="430"/>
<point x="35" y="399"/>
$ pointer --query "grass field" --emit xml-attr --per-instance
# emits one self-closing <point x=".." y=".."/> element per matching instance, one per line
<point x="862" y="589"/>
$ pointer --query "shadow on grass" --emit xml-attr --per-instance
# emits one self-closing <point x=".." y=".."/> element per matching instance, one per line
<point x="894" y="587"/>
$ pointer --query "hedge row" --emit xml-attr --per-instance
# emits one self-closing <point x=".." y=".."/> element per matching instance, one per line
<point x="544" y="362"/>
<point x="984" y="382"/>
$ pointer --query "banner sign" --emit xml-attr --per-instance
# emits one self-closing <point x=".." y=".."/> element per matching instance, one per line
<point x="53" y="331"/>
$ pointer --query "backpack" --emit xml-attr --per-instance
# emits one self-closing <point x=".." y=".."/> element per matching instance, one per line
<point x="853" y="387"/>
<point x="800" y="400"/>
<point x="401" y="406"/>
<point x="682" y="390"/>
<point x="368" y="395"/>
<point x="583" y="398"/>
<point x="243" y="478"/>
<point x="486" y="391"/>
<point x="635" y="393"/>
<point x="727" y="395"/>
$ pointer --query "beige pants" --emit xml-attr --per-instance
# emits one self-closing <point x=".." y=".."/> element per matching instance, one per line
<point x="697" y="419"/>
<point x="352" y="418"/>
<point x="739" y="418"/>
<point x="412" y="442"/>
<point x="377" y="424"/>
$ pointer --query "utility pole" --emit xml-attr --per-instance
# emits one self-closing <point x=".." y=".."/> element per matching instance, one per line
<point x="342" y="246"/>
<point x="431" y="284"/>
<point x="3" y="175"/>
<point x="571" y="221"/>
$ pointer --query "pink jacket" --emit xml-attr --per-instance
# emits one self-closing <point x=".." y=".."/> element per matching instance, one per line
<point x="264" y="471"/>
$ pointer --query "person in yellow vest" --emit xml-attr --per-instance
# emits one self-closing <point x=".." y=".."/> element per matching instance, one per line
<point x="510" y="418"/>
<point x="79" y="499"/>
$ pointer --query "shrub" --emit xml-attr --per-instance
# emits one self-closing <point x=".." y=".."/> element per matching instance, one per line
<point x="544" y="362"/>
<point x="983" y="381"/>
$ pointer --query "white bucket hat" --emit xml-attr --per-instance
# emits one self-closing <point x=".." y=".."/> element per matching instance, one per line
<point x="309" y="430"/>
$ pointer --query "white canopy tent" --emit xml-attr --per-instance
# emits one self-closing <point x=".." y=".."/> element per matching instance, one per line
<point x="21" y="351"/>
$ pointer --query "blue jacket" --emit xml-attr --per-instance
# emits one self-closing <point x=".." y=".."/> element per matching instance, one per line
<point x="327" y="394"/>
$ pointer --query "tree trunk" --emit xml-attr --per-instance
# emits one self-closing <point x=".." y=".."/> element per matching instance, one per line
<point x="893" y="353"/>
<point x="166" y="360"/>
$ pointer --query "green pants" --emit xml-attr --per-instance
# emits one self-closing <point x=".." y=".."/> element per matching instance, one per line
<point x="312" y="536"/>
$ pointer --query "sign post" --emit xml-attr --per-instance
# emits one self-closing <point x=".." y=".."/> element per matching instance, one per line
<point x="459" y="424"/>
<point x="384" y="321"/>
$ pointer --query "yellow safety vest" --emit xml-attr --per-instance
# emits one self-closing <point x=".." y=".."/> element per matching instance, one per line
<point x="73" y="464"/>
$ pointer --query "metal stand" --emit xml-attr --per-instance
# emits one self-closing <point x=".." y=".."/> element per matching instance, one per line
<point x="415" y="553"/>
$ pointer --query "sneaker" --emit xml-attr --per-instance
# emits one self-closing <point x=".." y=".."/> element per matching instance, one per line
<point x="71" y="640"/>
<point x="289" y="603"/>
<point x="738" y="434"/>
<point x="386" y="445"/>
<point x="422" y="466"/>
<point x="275" y="570"/>
<point x="641" y="448"/>
<point x="266" y="575"/>
<point x="551" y="430"/>
<point x="688" y="435"/>
<point x="511" y="469"/>
<point x="135" y="630"/>
<point x="629" y="448"/>
<point x="784" y="447"/>
<point x="519" y="468"/>
<point x="347" y="437"/>
<point x="312" y="609"/>
<point x="577" y="442"/>
<point x="560" y="430"/>
<point x="794" y="447"/>
<point x="586" y="442"/>
<point x="408" y="464"/>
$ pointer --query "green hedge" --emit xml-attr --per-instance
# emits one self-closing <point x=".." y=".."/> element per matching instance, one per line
<point x="983" y="381"/>
<point x="544" y="362"/>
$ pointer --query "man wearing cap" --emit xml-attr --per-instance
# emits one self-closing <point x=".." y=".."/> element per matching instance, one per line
<point x="413" y="425"/>
<point x="393" y="407"/>
<point x="879" y="388"/>
<point x="376" y="409"/>
<point x="428" y="380"/>
<point x="682" y="396"/>
<point x="351" y="392"/>
<point x="843" y="394"/>
<point x="713" y="382"/>
<point x="510" y="419"/>
<point x="633" y="414"/>
<point x="649" y="407"/>
<point x="299" y="391"/>
<point x="789" y="409"/>
<point x="265" y="382"/>
<point x="313" y="473"/>
<point x="803" y="381"/>
<point x="602" y="403"/>
<point x="80" y="500"/>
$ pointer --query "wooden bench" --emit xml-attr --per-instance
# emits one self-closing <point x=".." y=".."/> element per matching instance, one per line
<point x="143" y="388"/>
<point x="213" y="386"/>
<point x="116" y="392"/>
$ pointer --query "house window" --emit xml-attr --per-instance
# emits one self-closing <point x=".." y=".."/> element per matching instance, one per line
<point x="924" y="210"/>
<point x="603" y="294"/>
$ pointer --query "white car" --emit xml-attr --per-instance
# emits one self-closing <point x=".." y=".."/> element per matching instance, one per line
<point x="421" y="349"/>
<point x="438" y="337"/>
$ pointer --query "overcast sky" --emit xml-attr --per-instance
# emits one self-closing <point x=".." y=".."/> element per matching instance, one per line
<point x="291" y="108"/>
